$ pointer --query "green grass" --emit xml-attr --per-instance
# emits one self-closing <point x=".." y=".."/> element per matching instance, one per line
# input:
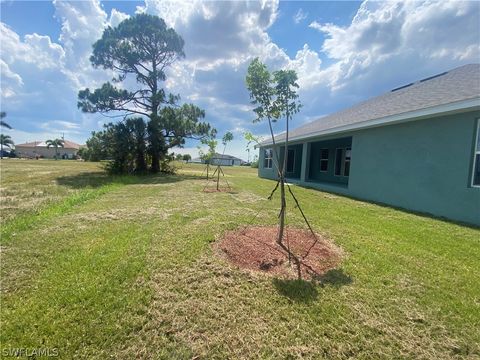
<point x="98" y="267"/>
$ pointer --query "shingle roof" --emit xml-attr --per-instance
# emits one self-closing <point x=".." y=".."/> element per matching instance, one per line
<point x="225" y="156"/>
<point x="66" y="144"/>
<point x="459" y="84"/>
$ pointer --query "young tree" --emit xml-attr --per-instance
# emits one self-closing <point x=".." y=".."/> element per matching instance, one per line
<point x="208" y="156"/>
<point x="5" y="140"/>
<point x="251" y="139"/>
<point x="56" y="143"/>
<point x="260" y="84"/>
<point x="286" y="105"/>
<point x="226" y="139"/>
<point x="97" y="147"/>
<point x="143" y="47"/>
<point x="254" y="163"/>
<point x="3" y="123"/>
<point x="275" y="97"/>
<point x="262" y="94"/>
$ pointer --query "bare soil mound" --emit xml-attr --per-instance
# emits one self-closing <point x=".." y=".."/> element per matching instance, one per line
<point x="255" y="248"/>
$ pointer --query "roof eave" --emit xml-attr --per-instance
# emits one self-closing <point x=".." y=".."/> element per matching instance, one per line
<point x="444" y="109"/>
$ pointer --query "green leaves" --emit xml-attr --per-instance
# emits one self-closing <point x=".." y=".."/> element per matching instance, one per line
<point x="259" y="84"/>
<point x="6" y="140"/>
<point x="286" y="83"/>
<point x="227" y="138"/>
<point x="107" y="98"/>
<point x="274" y="94"/>
<point x="3" y="123"/>
<point x="251" y="139"/>
<point x="56" y="143"/>
<point x="137" y="41"/>
<point x="141" y="47"/>
<point x="184" y="122"/>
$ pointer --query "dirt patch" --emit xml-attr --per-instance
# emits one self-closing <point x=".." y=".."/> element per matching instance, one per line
<point x="255" y="248"/>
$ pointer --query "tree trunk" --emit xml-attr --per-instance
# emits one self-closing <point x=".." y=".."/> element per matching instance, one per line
<point x="282" y="186"/>
<point x="155" y="161"/>
<point x="282" y="209"/>
<point x="154" y="140"/>
<point x="141" y="164"/>
<point x="218" y="176"/>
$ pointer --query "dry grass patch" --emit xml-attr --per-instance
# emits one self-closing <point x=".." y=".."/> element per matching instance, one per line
<point x="128" y="271"/>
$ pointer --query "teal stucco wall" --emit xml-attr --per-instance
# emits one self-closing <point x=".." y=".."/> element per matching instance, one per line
<point x="328" y="176"/>
<point x="423" y="165"/>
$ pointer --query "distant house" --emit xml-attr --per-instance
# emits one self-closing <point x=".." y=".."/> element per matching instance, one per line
<point x="39" y="149"/>
<point x="415" y="147"/>
<point x="223" y="160"/>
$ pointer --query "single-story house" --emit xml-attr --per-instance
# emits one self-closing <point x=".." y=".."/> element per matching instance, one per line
<point x="221" y="159"/>
<point x="416" y="147"/>
<point x="39" y="149"/>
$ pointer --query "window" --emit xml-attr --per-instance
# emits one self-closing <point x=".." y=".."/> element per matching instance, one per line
<point x="268" y="159"/>
<point x="290" y="160"/>
<point x="476" y="159"/>
<point x="348" y="155"/>
<point x="342" y="161"/>
<point x="323" y="160"/>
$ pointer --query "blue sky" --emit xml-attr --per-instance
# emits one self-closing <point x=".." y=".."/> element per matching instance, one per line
<point x="343" y="52"/>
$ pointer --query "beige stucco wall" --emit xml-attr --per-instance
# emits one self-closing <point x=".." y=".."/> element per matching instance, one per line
<point x="48" y="153"/>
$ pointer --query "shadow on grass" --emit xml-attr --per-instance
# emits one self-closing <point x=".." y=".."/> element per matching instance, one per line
<point x="306" y="291"/>
<point x="335" y="278"/>
<point x="98" y="179"/>
<point x="296" y="290"/>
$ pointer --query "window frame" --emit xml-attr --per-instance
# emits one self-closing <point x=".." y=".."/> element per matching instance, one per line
<point x="323" y="160"/>
<point x="343" y="160"/>
<point x="268" y="159"/>
<point x="476" y="153"/>
<point x="293" y="163"/>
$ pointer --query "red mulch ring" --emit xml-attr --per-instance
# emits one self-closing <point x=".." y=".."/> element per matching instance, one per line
<point x="256" y="248"/>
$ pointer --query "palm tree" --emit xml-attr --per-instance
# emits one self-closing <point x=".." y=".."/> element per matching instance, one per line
<point x="56" y="143"/>
<point x="3" y="123"/>
<point x="7" y="141"/>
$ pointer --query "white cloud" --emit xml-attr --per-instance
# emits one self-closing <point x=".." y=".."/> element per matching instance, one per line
<point x="31" y="73"/>
<point x="34" y="49"/>
<point x="299" y="16"/>
<point x="385" y="45"/>
<point x="82" y="23"/>
<point x="116" y="17"/>
<point x="307" y="65"/>
<point x="66" y="125"/>
<point x="385" y="35"/>
<point x="61" y="127"/>
<point x="216" y="33"/>
<point x="10" y="80"/>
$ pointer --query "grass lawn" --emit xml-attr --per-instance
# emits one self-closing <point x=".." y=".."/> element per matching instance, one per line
<point x="97" y="267"/>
